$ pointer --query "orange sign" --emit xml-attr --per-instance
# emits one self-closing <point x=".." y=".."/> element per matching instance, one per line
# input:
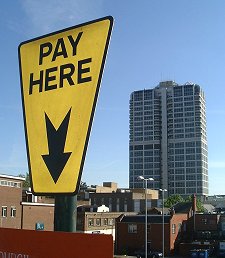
<point x="19" y="243"/>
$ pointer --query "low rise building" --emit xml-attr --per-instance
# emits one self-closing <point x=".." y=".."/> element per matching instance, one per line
<point x="130" y="232"/>
<point x="35" y="215"/>
<point x="97" y="220"/>
<point x="10" y="198"/>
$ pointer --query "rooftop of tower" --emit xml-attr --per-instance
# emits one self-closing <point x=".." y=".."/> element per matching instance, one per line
<point x="167" y="84"/>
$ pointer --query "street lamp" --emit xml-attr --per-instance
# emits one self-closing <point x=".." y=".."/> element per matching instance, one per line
<point x="163" y="190"/>
<point x="146" y="212"/>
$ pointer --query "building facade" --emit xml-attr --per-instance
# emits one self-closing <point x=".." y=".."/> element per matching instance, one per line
<point x="126" y="200"/>
<point x="37" y="215"/>
<point x="10" y="198"/>
<point x="130" y="233"/>
<point x="123" y="199"/>
<point x="168" y="140"/>
<point x="97" y="222"/>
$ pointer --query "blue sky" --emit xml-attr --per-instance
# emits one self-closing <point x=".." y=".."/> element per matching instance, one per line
<point x="152" y="40"/>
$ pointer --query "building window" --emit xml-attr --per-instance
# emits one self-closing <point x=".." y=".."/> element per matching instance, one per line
<point x="173" y="228"/>
<point x="3" y="182"/>
<point x="90" y="222"/>
<point x="13" y="212"/>
<point x="137" y="207"/>
<point x="204" y="221"/>
<point x="4" y="211"/>
<point x="132" y="228"/>
<point x="111" y="222"/>
<point x="105" y="221"/>
<point x="110" y="204"/>
<point x="10" y="183"/>
<point x="125" y="204"/>
<point x="179" y="227"/>
<point x="117" y="204"/>
<point x="98" y="222"/>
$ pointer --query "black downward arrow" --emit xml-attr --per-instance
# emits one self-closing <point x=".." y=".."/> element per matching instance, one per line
<point x="56" y="159"/>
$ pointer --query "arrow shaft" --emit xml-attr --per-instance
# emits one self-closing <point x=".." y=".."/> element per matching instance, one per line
<point x="57" y="137"/>
<point x="56" y="159"/>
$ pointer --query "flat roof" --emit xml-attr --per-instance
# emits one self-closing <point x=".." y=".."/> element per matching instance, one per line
<point x="12" y="177"/>
<point x="37" y="204"/>
<point x="156" y="219"/>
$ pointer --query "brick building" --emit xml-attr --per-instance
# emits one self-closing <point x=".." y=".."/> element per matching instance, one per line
<point x="184" y="228"/>
<point x="205" y="227"/>
<point x="37" y="213"/>
<point x="203" y="231"/>
<point x="11" y="196"/>
<point x="97" y="220"/>
<point x="130" y="234"/>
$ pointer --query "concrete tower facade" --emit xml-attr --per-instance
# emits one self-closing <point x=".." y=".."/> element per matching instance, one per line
<point x="168" y="138"/>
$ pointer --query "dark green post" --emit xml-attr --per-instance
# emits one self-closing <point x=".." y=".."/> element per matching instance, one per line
<point x="65" y="213"/>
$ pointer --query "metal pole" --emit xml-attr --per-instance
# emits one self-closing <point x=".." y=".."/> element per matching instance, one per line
<point x="163" y="222"/>
<point x="146" y="212"/>
<point x="65" y="213"/>
<point x="146" y="221"/>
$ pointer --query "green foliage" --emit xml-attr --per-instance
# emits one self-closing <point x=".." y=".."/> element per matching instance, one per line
<point x="172" y="200"/>
<point x="199" y="205"/>
<point x="83" y="185"/>
<point x="26" y="183"/>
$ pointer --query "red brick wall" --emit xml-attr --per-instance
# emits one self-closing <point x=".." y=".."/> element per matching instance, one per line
<point x="206" y="222"/>
<point x="175" y="237"/>
<point x="155" y="236"/>
<point x="10" y="197"/>
<point x="129" y="241"/>
<point x="133" y="241"/>
<point x="42" y="214"/>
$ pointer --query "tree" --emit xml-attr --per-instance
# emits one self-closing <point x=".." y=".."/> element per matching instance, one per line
<point x="26" y="183"/>
<point x="199" y="205"/>
<point x="172" y="200"/>
<point x="83" y="186"/>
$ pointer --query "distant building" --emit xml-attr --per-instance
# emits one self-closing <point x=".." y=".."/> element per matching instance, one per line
<point x="218" y="201"/>
<point x="209" y="208"/>
<point x="122" y="199"/>
<point x="97" y="220"/>
<point x="203" y="231"/>
<point x="10" y="198"/>
<point x="185" y="229"/>
<point x="168" y="140"/>
<point x="23" y="210"/>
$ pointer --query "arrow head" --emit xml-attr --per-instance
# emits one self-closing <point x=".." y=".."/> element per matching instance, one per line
<point x="56" y="164"/>
<point x="56" y="159"/>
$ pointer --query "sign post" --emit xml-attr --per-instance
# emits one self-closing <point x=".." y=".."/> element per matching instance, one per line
<point x="65" y="213"/>
<point x="60" y="77"/>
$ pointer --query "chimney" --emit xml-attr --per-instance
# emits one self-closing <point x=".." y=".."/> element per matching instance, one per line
<point x="172" y="211"/>
<point x="194" y="203"/>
